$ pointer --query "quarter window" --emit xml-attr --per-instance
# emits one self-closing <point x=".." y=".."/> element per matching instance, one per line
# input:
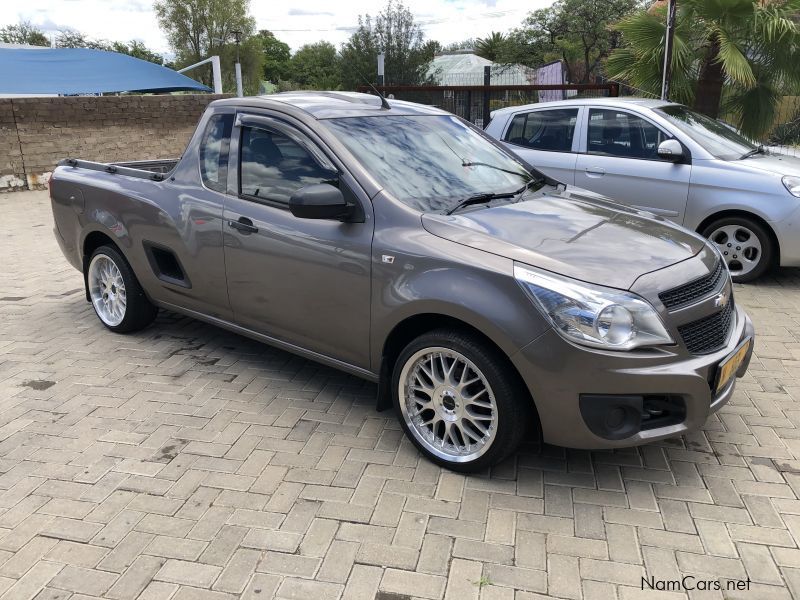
<point x="274" y="166"/>
<point x="550" y="130"/>
<point x="214" y="152"/>
<point x="614" y="133"/>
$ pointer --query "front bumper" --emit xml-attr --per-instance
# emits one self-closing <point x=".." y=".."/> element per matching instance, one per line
<point x="558" y="373"/>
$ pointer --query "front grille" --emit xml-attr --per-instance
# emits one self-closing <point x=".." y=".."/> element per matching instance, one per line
<point x="693" y="291"/>
<point x="709" y="333"/>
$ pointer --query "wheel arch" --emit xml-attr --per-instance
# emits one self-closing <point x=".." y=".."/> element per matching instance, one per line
<point x="92" y="241"/>
<point x="416" y="325"/>
<point x="724" y="214"/>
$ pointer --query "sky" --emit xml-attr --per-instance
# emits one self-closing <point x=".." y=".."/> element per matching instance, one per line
<point x="296" y="22"/>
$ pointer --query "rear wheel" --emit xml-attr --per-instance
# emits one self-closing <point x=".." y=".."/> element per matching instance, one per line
<point x="745" y="245"/>
<point x="459" y="401"/>
<point x="117" y="298"/>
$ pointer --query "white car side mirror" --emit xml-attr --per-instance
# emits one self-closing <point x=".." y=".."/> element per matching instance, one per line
<point x="670" y="150"/>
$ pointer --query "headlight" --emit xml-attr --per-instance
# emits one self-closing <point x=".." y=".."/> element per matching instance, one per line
<point x="593" y="315"/>
<point x="792" y="184"/>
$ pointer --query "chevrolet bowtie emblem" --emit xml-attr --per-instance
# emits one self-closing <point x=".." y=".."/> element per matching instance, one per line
<point x="722" y="299"/>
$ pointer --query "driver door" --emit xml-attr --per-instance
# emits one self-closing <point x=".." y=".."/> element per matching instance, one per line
<point x="301" y="281"/>
<point x="621" y="162"/>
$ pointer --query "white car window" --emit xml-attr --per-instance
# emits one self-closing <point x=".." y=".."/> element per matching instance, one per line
<point x="549" y="130"/>
<point x="616" y="133"/>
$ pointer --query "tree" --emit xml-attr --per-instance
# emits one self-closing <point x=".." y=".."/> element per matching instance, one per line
<point x="395" y="33"/>
<point x="578" y="32"/>
<point x="468" y="44"/>
<point x="198" y="29"/>
<point x="277" y="56"/>
<point x="137" y="49"/>
<point x="70" y="38"/>
<point x="23" y="33"/>
<point x="491" y="46"/>
<point x="736" y="57"/>
<point x="315" y="66"/>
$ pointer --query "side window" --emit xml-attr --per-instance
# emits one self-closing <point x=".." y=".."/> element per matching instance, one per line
<point x="549" y="130"/>
<point x="214" y="152"/>
<point x="273" y="166"/>
<point x="614" y="133"/>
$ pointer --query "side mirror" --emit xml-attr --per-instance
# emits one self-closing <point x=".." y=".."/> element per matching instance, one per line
<point x="319" y="201"/>
<point x="670" y="150"/>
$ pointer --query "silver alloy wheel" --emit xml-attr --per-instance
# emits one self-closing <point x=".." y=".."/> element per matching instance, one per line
<point x="448" y="404"/>
<point x="740" y="247"/>
<point x="107" y="290"/>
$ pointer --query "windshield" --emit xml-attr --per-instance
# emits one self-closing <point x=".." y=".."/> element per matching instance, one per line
<point x="719" y="139"/>
<point x="429" y="162"/>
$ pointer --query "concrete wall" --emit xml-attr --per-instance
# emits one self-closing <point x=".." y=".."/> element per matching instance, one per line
<point x="35" y="133"/>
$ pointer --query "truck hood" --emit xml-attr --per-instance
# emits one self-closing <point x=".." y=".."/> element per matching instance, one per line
<point x="575" y="233"/>
<point x="780" y="164"/>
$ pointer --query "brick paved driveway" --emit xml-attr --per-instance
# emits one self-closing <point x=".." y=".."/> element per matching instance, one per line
<point x="187" y="462"/>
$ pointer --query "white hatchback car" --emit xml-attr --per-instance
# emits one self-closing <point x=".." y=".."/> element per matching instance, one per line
<point x="672" y="161"/>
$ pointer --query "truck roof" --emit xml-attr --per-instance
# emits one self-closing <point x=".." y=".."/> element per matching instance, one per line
<point x="332" y="105"/>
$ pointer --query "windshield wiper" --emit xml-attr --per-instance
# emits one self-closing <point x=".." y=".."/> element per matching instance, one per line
<point x="467" y="163"/>
<point x="753" y="152"/>
<point x="483" y="198"/>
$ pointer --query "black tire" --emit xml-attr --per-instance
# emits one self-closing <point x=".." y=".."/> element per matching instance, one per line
<point x="765" y="258"/>
<point x="514" y="407"/>
<point x="139" y="312"/>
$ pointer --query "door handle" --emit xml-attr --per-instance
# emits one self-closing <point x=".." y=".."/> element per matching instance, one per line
<point x="244" y="225"/>
<point x="595" y="171"/>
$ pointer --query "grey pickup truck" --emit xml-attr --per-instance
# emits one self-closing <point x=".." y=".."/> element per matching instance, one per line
<point x="401" y="244"/>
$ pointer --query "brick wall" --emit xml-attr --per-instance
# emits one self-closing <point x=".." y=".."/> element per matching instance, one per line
<point x="35" y="133"/>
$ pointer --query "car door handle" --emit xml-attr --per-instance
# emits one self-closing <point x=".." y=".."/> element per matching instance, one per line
<point x="244" y="225"/>
<point x="595" y="171"/>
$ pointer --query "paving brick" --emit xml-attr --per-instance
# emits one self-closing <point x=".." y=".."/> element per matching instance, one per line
<point x="463" y="580"/>
<point x="288" y="564"/>
<point x="90" y="582"/>
<point x="188" y="573"/>
<point x="409" y="582"/>
<point x="184" y="462"/>
<point x="237" y="572"/>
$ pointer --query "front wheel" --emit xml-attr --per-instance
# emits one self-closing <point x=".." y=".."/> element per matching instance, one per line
<point x="117" y="298"/>
<point x="745" y="245"/>
<point x="459" y="401"/>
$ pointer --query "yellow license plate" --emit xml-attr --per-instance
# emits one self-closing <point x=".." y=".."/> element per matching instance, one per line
<point x="727" y="368"/>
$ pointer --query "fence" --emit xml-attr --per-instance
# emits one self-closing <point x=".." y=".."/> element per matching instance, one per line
<point x="475" y="102"/>
<point x="785" y="134"/>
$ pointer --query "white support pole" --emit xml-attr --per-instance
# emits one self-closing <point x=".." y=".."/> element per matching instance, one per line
<point x="239" y="90"/>
<point x="215" y="70"/>
<point x="381" y="68"/>
<point x="217" y="73"/>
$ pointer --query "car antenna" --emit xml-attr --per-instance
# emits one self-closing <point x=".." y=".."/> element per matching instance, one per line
<point x="384" y="103"/>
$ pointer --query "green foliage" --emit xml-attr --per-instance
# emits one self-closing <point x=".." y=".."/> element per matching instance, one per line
<point x="277" y="56"/>
<point x="491" y="46"/>
<point x="787" y="134"/>
<point x="577" y="32"/>
<point x="315" y="67"/>
<point x="23" y="33"/>
<point x="70" y="38"/>
<point x="468" y="44"/>
<point x="756" y="45"/>
<point x="394" y="32"/>
<point x="138" y="50"/>
<point x="198" y="29"/>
